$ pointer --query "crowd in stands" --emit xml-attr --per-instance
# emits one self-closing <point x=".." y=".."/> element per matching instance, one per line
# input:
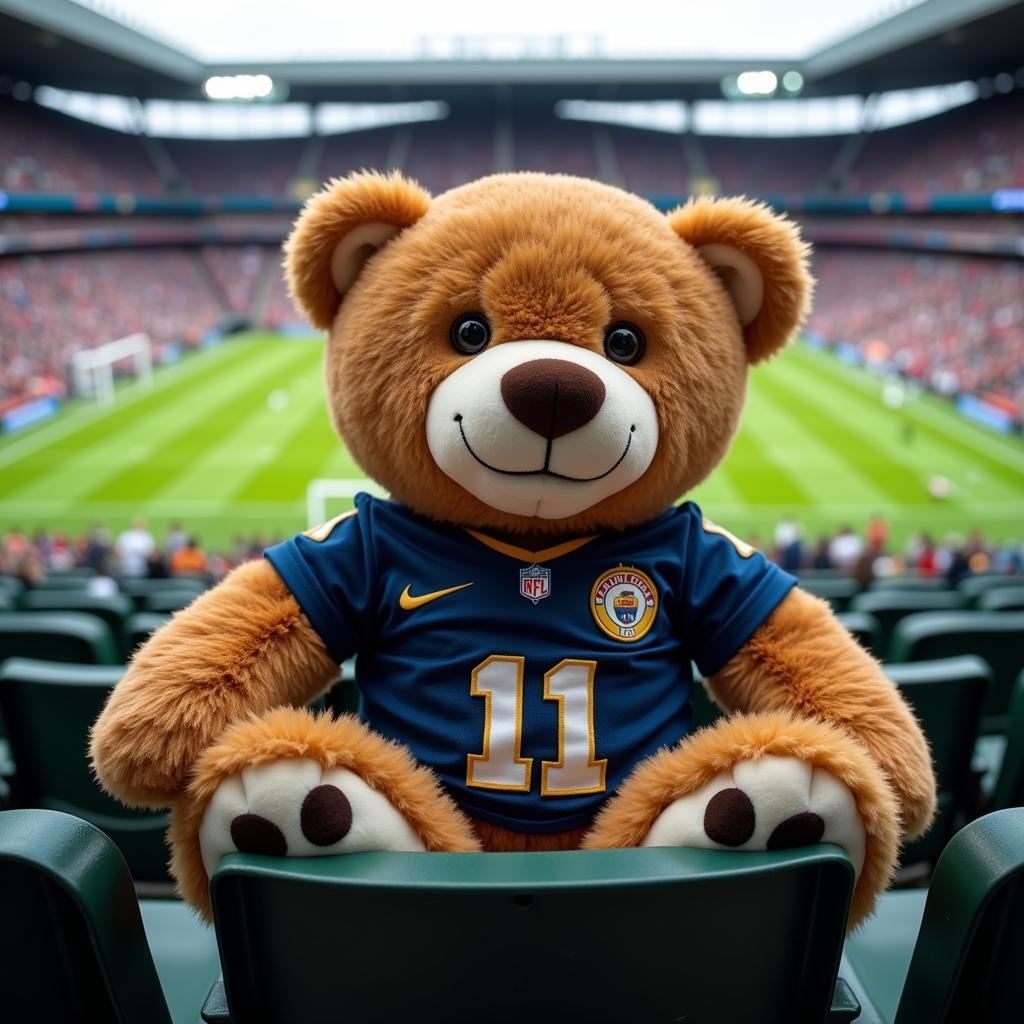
<point x="263" y="167"/>
<point x="444" y="154"/>
<point x="51" y="306"/>
<point x="740" y="165"/>
<point x="866" y="554"/>
<point x="235" y="272"/>
<point x="953" y="323"/>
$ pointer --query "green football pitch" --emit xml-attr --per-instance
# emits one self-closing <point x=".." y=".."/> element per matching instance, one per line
<point x="227" y="440"/>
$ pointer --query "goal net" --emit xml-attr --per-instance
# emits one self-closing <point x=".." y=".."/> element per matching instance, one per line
<point x="93" y="368"/>
<point x="324" y="497"/>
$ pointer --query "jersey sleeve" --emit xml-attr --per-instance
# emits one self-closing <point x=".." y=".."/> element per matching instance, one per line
<point x="729" y="589"/>
<point x="329" y="571"/>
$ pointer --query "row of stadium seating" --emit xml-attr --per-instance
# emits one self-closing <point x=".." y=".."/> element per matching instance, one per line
<point x="979" y="147"/>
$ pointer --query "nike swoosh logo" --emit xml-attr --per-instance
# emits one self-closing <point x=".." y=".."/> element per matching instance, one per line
<point x="408" y="602"/>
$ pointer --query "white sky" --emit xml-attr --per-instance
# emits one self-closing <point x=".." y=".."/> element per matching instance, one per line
<point x="226" y="30"/>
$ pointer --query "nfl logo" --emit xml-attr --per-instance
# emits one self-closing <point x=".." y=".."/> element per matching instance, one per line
<point x="535" y="583"/>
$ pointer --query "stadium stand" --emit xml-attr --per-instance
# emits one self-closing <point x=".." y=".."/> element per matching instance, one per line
<point x="353" y="151"/>
<point x="650" y="163"/>
<point x="447" y="153"/>
<point x="743" y="166"/>
<point x="238" y="167"/>
<point x="235" y="272"/>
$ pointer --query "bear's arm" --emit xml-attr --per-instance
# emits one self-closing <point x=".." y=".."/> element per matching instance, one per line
<point x="242" y="648"/>
<point x="802" y="660"/>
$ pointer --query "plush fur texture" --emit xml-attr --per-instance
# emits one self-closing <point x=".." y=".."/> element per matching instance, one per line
<point x="544" y="257"/>
<point x="627" y="817"/>
<point x="240" y="649"/>
<point x="333" y="743"/>
<point x="803" y="662"/>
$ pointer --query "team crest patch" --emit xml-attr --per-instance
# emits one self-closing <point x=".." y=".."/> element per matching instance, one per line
<point x="535" y="583"/>
<point x="624" y="602"/>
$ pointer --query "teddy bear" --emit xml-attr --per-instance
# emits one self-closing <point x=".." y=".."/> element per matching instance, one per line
<point x="536" y="368"/>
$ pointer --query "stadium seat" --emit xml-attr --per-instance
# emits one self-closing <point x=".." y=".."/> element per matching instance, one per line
<point x="947" y="697"/>
<point x="863" y="626"/>
<point x="820" y="574"/>
<point x="1009" y="787"/>
<point x="914" y="583"/>
<point x="113" y="609"/>
<point x="889" y="606"/>
<point x="343" y="696"/>
<point x="11" y="585"/>
<point x="998" y="637"/>
<point x="139" y="628"/>
<point x="951" y="954"/>
<point x="74" y="572"/>
<point x="73" y="943"/>
<point x="973" y="587"/>
<point x="139" y="588"/>
<point x="611" y="935"/>
<point x="1001" y="599"/>
<point x="167" y="600"/>
<point x="72" y="583"/>
<point x="48" y="708"/>
<point x="57" y="636"/>
<point x="838" y="591"/>
<point x="8" y="601"/>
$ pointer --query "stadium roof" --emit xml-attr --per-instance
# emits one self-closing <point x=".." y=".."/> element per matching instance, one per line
<point x="65" y="44"/>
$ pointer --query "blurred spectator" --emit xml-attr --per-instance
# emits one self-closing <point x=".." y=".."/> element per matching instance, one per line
<point x="177" y="538"/>
<point x="134" y="547"/>
<point x="189" y="559"/>
<point x="877" y="534"/>
<point x="845" y="549"/>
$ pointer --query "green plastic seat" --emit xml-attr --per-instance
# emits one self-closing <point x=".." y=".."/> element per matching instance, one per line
<point x="957" y="958"/>
<point x="74" y="946"/>
<point x="610" y="935"/>
<point x="139" y="628"/>
<point x="138" y="588"/>
<point x="820" y="574"/>
<point x="11" y="585"/>
<point x="343" y="697"/>
<point x="998" y="637"/>
<point x="863" y="626"/>
<point x="947" y="696"/>
<point x="1009" y="787"/>
<point x="910" y="583"/>
<point x="48" y="708"/>
<point x="838" y="591"/>
<point x="113" y="609"/>
<point x="167" y="600"/>
<point x="890" y="606"/>
<point x="70" y="583"/>
<point x="973" y="587"/>
<point x="57" y="636"/>
<point x="8" y="601"/>
<point x="1001" y="599"/>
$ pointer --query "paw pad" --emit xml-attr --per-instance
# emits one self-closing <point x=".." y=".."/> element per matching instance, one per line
<point x="729" y="818"/>
<point x="252" y="833"/>
<point x="326" y="815"/>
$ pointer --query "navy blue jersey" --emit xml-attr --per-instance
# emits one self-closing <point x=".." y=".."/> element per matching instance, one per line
<point x="531" y="682"/>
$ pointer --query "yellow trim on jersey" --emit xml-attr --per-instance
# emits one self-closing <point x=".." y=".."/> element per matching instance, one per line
<point x="742" y="547"/>
<point x="534" y="557"/>
<point x="324" y="530"/>
<point x="408" y="602"/>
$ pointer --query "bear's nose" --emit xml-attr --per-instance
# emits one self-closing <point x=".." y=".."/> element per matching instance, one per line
<point x="552" y="396"/>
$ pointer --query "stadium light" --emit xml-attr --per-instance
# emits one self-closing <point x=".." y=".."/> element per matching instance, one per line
<point x="238" y="87"/>
<point x="792" y="82"/>
<point x="757" y="83"/>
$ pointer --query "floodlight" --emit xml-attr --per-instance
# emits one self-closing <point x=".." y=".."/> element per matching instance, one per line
<point x="757" y="83"/>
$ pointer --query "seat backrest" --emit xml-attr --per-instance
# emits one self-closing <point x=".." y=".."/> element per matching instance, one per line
<point x="1009" y="787"/>
<point x="863" y="626"/>
<point x="113" y="609"/>
<point x="48" y="708"/>
<point x="11" y="585"/>
<point x="167" y="600"/>
<point x="910" y="583"/>
<point x="1001" y="599"/>
<point x="998" y="637"/>
<point x="139" y="628"/>
<point x="890" y="606"/>
<point x="838" y="591"/>
<point x="8" y="601"/>
<point x="652" y="934"/>
<point x="967" y="961"/>
<point x="57" y="636"/>
<point x="140" y="587"/>
<point x="972" y="587"/>
<point x="947" y="696"/>
<point x="72" y="944"/>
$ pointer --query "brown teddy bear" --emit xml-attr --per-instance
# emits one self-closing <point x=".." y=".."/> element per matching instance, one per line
<point x="536" y="367"/>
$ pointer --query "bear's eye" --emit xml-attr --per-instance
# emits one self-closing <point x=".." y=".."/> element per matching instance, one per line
<point x="470" y="333"/>
<point x="624" y="343"/>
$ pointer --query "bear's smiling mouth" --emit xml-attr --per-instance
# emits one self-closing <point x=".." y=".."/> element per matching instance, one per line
<point x="544" y="470"/>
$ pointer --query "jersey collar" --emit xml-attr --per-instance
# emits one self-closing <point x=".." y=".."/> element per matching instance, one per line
<point x="533" y="557"/>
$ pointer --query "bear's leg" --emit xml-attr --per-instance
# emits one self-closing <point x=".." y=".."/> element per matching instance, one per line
<point x="757" y="782"/>
<point x="294" y="784"/>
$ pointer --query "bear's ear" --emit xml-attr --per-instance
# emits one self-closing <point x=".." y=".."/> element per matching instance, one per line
<point x="339" y="229"/>
<point x="761" y="260"/>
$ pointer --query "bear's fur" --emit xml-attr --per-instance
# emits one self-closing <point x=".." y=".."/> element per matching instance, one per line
<point x="546" y="257"/>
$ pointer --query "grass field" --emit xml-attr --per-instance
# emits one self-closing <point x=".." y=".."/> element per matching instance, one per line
<point x="227" y="440"/>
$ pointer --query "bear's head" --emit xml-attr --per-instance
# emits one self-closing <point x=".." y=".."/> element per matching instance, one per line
<point x="537" y="353"/>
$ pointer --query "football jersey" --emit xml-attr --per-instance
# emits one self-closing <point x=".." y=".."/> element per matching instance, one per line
<point x="532" y="682"/>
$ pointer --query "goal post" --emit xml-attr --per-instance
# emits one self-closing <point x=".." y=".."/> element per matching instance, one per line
<point x="93" y="368"/>
<point x="320" y="492"/>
